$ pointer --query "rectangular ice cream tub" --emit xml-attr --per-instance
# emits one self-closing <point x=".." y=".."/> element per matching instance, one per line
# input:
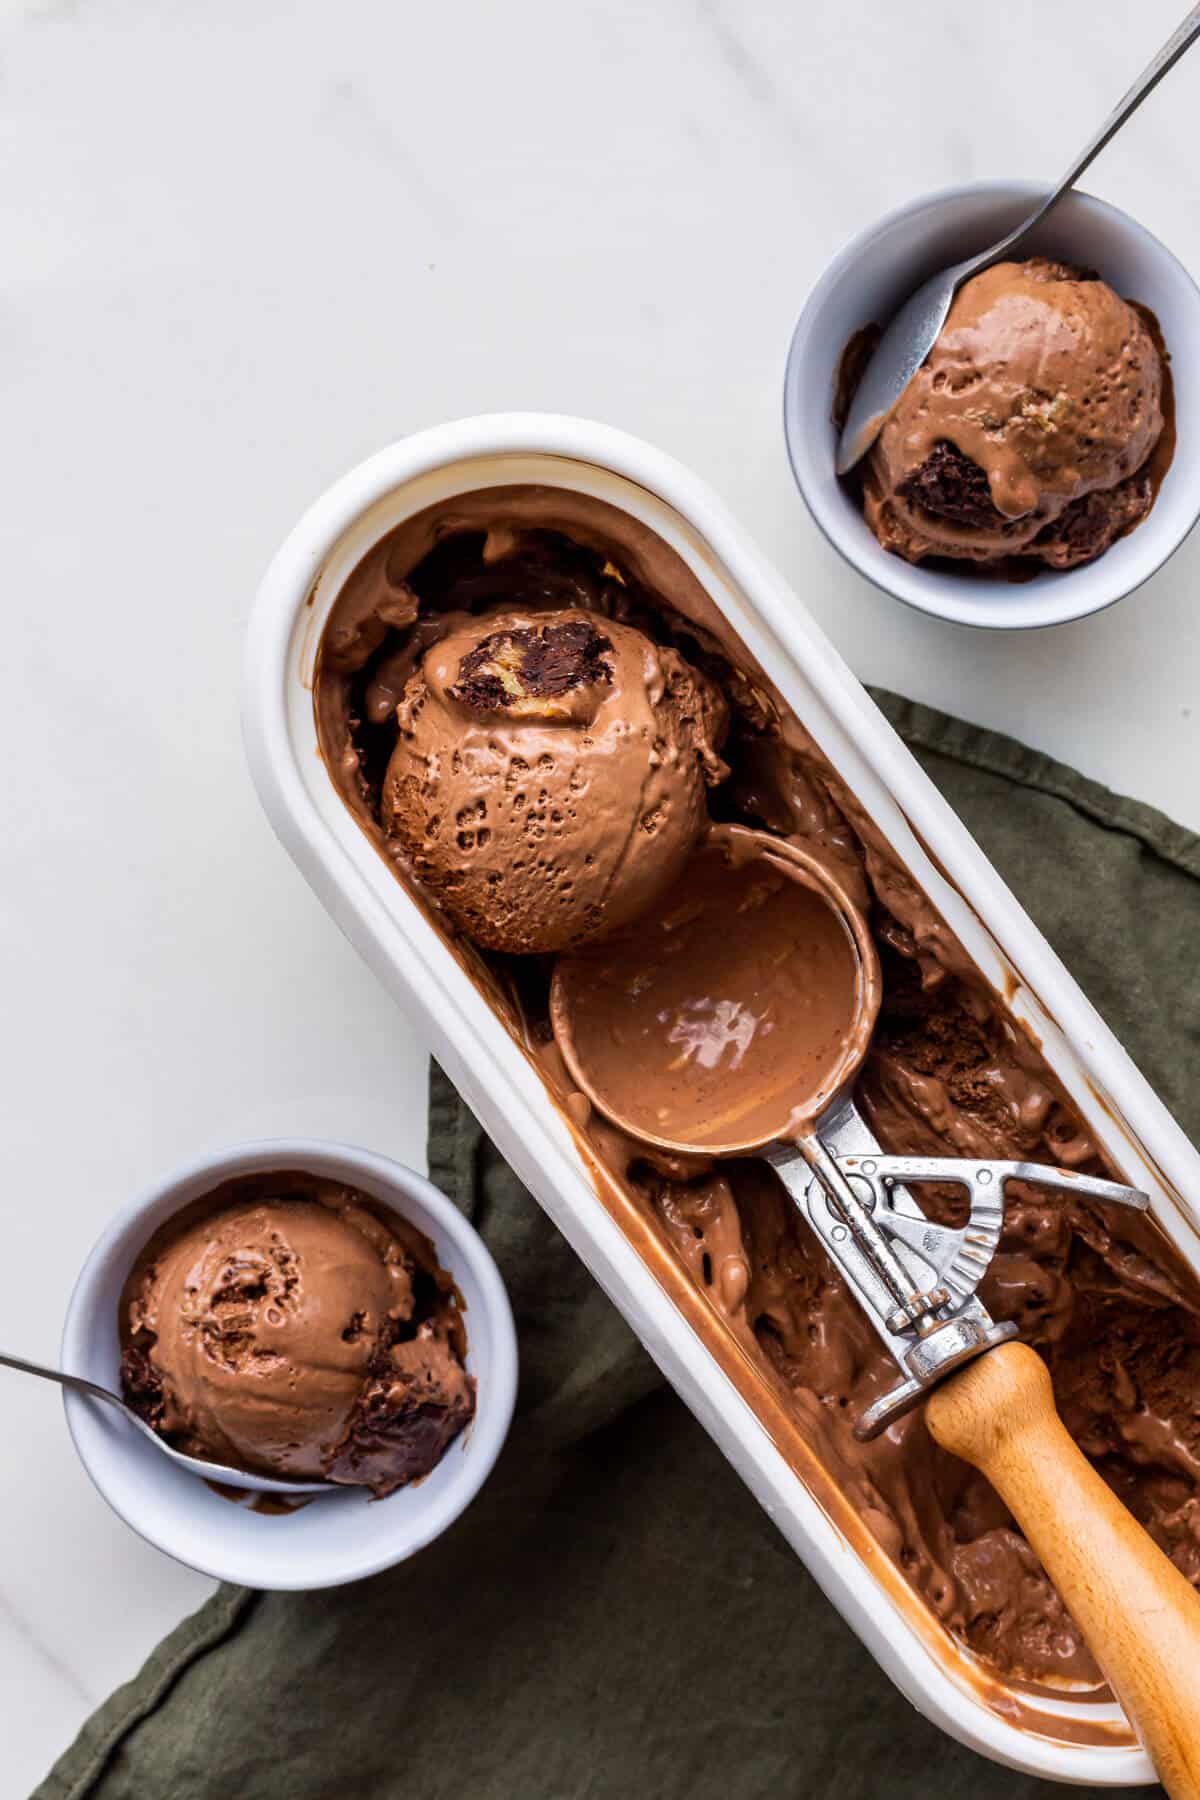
<point x="1052" y="1734"/>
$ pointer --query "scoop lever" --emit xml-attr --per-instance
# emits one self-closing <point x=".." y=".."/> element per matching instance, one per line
<point x="916" y="1280"/>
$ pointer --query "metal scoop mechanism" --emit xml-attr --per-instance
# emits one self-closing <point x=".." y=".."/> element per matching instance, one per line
<point x="916" y="1280"/>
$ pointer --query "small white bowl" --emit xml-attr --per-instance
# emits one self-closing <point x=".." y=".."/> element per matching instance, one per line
<point x="865" y="285"/>
<point x="335" y="1538"/>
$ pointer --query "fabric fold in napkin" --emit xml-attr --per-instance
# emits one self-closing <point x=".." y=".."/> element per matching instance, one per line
<point x="614" y="1615"/>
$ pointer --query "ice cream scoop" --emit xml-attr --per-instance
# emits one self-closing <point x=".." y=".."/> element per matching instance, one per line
<point x="911" y="334"/>
<point x="549" y="774"/>
<point x="734" y="1019"/>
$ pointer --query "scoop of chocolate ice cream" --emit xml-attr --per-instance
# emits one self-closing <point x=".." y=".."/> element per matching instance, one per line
<point x="266" y="1327"/>
<point x="1028" y="430"/>
<point x="548" y="779"/>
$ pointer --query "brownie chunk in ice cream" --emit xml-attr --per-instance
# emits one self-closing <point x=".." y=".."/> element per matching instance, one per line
<point x="1037" y="429"/>
<point x="549" y="774"/>
<point x="286" y="1325"/>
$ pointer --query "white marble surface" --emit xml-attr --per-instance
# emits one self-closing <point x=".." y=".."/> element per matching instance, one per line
<point x="246" y="245"/>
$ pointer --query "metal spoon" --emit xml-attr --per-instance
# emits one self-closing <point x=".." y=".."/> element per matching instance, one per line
<point x="208" y="1471"/>
<point x="912" y="333"/>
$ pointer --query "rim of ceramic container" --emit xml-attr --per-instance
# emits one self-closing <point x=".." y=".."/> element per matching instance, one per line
<point x="850" y="536"/>
<point x="390" y="1183"/>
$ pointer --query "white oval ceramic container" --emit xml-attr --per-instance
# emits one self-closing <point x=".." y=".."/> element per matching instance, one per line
<point x="866" y="284"/>
<point x="333" y="1538"/>
<point x="1057" y="1735"/>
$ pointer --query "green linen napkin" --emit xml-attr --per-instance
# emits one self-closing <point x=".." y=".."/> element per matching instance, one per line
<point x="614" y="1616"/>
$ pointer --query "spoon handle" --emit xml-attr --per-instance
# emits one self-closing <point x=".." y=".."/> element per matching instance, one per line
<point x="78" y="1382"/>
<point x="1181" y="39"/>
<point x="232" y="1476"/>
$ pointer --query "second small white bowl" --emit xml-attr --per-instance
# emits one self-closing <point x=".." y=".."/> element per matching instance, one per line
<point x="337" y="1537"/>
<point x="866" y="284"/>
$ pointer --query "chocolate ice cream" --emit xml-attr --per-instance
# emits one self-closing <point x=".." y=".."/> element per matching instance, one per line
<point x="549" y="773"/>
<point x="1037" y="429"/>
<point x="1099" y="1291"/>
<point x="287" y="1325"/>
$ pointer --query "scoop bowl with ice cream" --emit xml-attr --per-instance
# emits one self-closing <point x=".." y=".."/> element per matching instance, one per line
<point x="274" y="1308"/>
<point x="1046" y="437"/>
<point x="284" y="1325"/>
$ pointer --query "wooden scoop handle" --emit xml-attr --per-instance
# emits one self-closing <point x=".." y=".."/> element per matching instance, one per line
<point x="1140" y="1616"/>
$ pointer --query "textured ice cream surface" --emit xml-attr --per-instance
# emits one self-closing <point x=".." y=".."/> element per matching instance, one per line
<point x="549" y="774"/>
<point x="1037" y="428"/>
<point x="266" y="1324"/>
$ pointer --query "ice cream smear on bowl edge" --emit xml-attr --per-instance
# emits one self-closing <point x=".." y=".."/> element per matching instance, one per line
<point x="289" y="1325"/>
<point x="1036" y="433"/>
<point x="657" y="721"/>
